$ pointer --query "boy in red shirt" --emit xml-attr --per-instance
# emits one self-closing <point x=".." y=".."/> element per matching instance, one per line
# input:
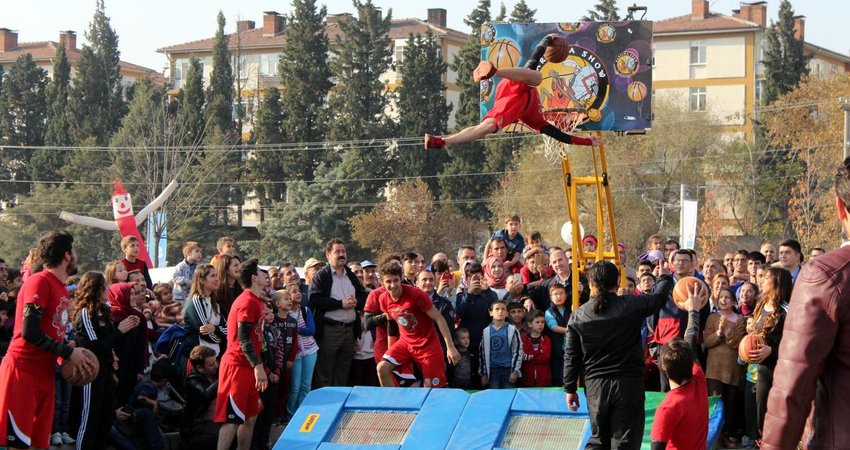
<point x="412" y="316"/>
<point x="130" y="247"/>
<point x="241" y="376"/>
<point x="537" y="349"/>
<point x="516" y="101"/>
<point x="681" y="420"/>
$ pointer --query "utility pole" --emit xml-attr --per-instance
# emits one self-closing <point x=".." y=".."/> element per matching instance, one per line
<point x="846" y="108"/>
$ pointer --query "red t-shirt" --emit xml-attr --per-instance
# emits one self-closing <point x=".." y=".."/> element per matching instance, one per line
<point x="139" y="265"/>
<point x="415" y="327"/>
<point x="246" y="308"/>
<point x="50" y="294"/>
<point x="681" y="419"/>
<point x="380" y="345"/>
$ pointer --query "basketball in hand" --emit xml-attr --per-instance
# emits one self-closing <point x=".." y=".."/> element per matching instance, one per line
<point x="557" y="51"/>
<point x="680" y="292"/>
<point x="74" y="376"/>
<point x="749" y="343"/>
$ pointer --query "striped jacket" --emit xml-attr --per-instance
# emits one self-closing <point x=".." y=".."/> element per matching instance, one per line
<point x="98" y="335"/>
<point x="197" y="312"/>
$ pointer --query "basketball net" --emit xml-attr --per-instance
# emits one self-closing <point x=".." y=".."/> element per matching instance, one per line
<point x="566" y="121"/>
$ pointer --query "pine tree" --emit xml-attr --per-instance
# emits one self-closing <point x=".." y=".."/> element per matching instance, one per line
<point x="603" y="11"/>
<point x="264" y="166"/>
<point x="469" y="157"/>
<point x="192" y="103"/>
<point x="784" y="60"/>
<point x="46" y="163"/>
<point x="305" y="76"/>
<point x="503" y="13"/>
<point x="359" y="101"/>
<point x="219" y="110"/>
<point x="97" y="101"/>
<point x="522" y="13"/>
<point x="24" y="107"/>
<point x="422" y="105"/>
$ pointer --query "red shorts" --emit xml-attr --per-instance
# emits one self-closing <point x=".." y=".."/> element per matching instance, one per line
<point x="238" y="399"/>
<point x="430" y="361"/>
<point x="26" y="405"/>
<point x="516" y="101"/>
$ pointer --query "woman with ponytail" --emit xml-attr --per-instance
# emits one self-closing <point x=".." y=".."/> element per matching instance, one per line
<point x="603" y="341"/>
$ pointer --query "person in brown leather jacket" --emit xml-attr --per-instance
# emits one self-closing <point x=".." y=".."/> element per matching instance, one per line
<point x="812" y="378"/>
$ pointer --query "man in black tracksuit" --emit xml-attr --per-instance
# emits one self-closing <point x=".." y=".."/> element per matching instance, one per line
<point x="603" y="339"/>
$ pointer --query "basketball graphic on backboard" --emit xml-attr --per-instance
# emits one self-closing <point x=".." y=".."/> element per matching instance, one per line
<point x="504" y="54"/>
<point x="636" y="91"/>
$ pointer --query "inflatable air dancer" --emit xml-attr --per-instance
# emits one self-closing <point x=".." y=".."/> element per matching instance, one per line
<point x="516" y="100"/>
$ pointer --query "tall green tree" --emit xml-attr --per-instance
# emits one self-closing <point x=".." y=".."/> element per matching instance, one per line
<point x="22" y="121"/>
<point x="522" y="13"/>
<point x="359" y="101"/>
<point x="46" y="163"/>
<point x="192" y="103"/>
<point x="785" y="63"/>
<point x="469" y="157"/>
<point x="306" y="79"/>
<point x="422" y="105"/>
<point x="264" y="166"/>
<point x="603" y="11"/>
<point x="219" y="110"/>
<point x="97" y="97"/>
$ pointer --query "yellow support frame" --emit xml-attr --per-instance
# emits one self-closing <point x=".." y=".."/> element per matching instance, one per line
<point x="604" y="208"/>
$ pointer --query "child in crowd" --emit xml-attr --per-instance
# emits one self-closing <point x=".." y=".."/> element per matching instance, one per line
<point x="631" y="286"/>
<point x="144" y="402"/>
<point x="514" y="240"/>
<point x="286" y="347"/>
<point x="723" y="332"/>
<point x="225" y="245"/>
<point x="262" y="429"/>
<point x="169" y="311"/>
<point x="535" y="246"/>
<point x="537" y="351"/>
<point x="516" y="316"/>
<point x="305" y="360"/>
<point x="460" y="374"/>
<point x="501" y="350"/>
<point x="363" y="366"/>
<point x="185" y="269"/>
<point x="647" y="282"/>
<point x="130" y="247"/>
<point x="115" y="272"/>
<point x="557" y="317"/>
<point x="535" y="271"/>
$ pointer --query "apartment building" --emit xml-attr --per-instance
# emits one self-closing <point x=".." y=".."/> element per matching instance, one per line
<point x="713" y="62"/>
<point x="44" y="52"/>
<point x="255" y="52"/>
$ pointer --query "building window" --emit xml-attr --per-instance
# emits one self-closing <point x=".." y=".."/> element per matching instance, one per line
<point x="697" y="52"/>
<point x="268" y="64"/>
<point x="399" y="54"/>
<point x="697" y="99"/>
<point x="759" y="90"/>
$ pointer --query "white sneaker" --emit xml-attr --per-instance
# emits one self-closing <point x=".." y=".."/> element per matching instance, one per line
<point x="56" y="439"/>
<point x="67" y="439"/>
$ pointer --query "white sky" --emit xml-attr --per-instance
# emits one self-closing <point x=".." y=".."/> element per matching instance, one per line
<point x="144" y="26"/>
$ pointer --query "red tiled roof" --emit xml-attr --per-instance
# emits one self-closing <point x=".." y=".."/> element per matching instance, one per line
<point x="250" y="39"/>
<point x="45" y="51"/>
<point x="714" y="22"/>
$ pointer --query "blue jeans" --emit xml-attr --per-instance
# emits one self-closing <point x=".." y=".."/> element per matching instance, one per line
<point x="500" y="378"/>
<point x="302" y="379"/>
<point x="61" y="404"/>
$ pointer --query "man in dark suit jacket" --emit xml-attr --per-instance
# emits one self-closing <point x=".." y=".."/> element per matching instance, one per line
<point x="335" y="294"/>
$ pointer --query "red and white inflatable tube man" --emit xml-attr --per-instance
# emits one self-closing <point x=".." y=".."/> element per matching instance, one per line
<point x="125" y="222"/>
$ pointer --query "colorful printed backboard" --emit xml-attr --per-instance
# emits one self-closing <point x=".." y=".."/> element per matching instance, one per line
<point x="608" y="72"/>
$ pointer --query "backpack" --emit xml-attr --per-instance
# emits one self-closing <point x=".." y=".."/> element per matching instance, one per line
<point x="170" y="346"/>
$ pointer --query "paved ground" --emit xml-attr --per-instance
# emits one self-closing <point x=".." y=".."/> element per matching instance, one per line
<point x="276" y="431"/>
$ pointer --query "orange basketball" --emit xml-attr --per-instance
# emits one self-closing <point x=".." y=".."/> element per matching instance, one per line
<point x="557" y="51"/>
<point x="680" y="292"/>
<point x="504" y="54"/>
<point x="75" y="378"/>
<point x="748" y="343"/>
<point x="636" y="91"/>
